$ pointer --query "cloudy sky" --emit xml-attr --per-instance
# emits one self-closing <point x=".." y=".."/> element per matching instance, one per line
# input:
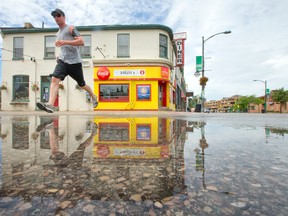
<point x="257" y="48"/>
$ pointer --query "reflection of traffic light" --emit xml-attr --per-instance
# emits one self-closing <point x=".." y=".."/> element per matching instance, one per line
<point x="267" y="131"/>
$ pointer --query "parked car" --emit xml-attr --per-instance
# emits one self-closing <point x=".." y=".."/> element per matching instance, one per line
<point x="206" y="110"/>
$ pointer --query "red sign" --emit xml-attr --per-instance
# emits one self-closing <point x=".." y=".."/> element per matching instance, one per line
<point x="103" y="151"/>
<point x="165" y="72"/>
<point x="103" y="73"/>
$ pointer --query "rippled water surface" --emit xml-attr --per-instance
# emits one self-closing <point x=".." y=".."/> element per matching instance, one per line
<point x="212" y="164"/>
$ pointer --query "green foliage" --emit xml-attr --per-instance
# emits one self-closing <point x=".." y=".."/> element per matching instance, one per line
<point x="280" y="96"/>
<point x="279" y="131"/>
<point x="257" y="100"/>
<point x="242" y="104"/>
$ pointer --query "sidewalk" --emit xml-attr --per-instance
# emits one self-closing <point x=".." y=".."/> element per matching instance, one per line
<point x="101" y="113"/>
<point x="172" y="114"/>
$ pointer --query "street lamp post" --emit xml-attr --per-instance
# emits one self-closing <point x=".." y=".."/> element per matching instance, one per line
<point x="203" y="70"/>
<point x="265" y="95"/>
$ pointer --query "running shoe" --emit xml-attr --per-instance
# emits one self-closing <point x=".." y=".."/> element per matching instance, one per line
<point x="44" y="106"/>
<point x="47" y="123"/>
<point x="95" y="102"/>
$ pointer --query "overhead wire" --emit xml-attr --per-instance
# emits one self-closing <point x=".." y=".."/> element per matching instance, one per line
<point x="32" y="58"/>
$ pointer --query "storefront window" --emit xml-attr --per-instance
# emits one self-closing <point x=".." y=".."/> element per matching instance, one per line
<point x="114" y="132"/>
<point x="114" y="92"/>
<point x="21" y="88"/>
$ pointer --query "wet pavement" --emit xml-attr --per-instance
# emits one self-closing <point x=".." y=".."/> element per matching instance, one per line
<point x="143" y="163"/>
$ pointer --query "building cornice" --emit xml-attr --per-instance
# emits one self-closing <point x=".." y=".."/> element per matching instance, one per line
<point x="21" y="30"/>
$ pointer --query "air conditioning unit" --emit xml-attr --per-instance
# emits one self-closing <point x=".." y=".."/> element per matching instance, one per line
<point x="85" y="63"/>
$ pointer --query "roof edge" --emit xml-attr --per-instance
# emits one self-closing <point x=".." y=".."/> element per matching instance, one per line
<point x="7" y="30"/>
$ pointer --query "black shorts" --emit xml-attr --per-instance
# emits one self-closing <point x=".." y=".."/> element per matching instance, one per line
<point x="75" y="71"/>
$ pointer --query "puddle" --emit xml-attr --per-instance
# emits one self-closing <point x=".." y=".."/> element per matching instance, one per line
<point x="93" y="165"/>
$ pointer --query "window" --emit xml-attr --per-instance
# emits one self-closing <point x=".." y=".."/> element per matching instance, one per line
<point x="18" y="45"/>
<point x="20" y="134"/>
<point x="85" y="50"/>
<point x="21" y="88"/>
<point x="114" y="92"/>
<point x="163" y="42"/>
<point x="113" y="132"/>
<point x="123" y="45"/>
<point x="49" y="47"/>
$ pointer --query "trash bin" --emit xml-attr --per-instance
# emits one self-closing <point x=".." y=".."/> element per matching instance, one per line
<point x="198" y="108"/>
<point x="263" y="110"/>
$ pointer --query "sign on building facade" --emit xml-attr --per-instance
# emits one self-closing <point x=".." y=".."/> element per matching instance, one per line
<point x="179" y="39"/>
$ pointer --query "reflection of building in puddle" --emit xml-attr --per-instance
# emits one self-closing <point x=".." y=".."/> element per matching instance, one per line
<point x="25" y="151"/>
<point x="140" y="155"/>
<point x="128" y="156"/>
<point x="134" y="138"/>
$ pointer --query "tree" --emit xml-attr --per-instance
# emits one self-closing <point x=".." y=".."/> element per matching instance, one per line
<point x="243" y="103"/>
<point x="280" y="96"/>
<point x="257" y="100"/>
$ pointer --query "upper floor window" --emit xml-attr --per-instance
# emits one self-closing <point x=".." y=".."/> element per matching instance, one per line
<point x="49" y="47"/>
<point x="85" y="50"/>
<point x="18" y="46"/>
<point x="163" y="44"/>
<point x="123" y="45"/>
<point x="21" y="88"/>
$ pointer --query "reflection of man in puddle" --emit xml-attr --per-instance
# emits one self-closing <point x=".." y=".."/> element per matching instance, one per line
<point x="71" y="179"/>
<point x="59" y="158"/>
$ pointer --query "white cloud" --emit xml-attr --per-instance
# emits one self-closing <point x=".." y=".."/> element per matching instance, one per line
<point x="256" y="49"/>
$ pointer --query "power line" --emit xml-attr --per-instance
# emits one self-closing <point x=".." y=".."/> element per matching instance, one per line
<point x="32" y="58"/>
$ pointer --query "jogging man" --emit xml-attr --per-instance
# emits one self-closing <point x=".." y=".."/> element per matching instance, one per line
<point x="69" y="61"/>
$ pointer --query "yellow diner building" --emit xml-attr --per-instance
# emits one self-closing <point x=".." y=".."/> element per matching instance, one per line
<point x="136" y="87"/>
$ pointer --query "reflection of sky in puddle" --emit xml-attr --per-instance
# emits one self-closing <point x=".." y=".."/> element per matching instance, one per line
<point x="142" y="164"/>
<point x="248" y="163"/>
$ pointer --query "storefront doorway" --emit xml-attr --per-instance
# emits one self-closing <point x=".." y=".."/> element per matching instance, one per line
<point x="45" y="89"/>
<point x="162" y="97"/>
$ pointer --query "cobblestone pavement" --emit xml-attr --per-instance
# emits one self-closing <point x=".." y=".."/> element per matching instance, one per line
<point x="143" y="163"/>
